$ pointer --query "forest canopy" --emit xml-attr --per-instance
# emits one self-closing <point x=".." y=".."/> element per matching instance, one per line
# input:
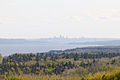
<point x="78" y="62"/>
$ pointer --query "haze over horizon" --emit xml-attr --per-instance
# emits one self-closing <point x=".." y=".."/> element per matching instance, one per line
<point x="49" y="18"/>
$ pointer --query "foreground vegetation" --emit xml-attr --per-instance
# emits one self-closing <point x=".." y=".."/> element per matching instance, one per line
<point x="113" y="75"/>
<point x="91" y="63"/>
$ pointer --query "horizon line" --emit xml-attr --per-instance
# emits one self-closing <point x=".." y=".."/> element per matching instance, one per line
<point x="62" y="38"/>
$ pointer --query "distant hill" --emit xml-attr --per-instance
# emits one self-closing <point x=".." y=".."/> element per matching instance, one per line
<point x="11" y="46"/>
<point x="91" y="50"/>
<point x="78" y="41"/>
<point x="12" y="41"/>
<point x="105" y="43"/>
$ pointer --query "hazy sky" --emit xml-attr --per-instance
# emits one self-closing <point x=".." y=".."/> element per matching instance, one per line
<point x="48" y="18"/>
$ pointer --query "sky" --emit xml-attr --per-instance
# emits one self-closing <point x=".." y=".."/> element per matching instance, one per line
<point x="69" y="18"/>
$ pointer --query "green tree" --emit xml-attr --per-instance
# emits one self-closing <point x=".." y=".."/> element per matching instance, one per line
<point x="0" y="58"/>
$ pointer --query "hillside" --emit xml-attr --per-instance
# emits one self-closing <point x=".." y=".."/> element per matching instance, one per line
<point x="78" y="62"/>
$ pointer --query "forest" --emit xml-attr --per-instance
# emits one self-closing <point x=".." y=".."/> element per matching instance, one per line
<point x="87" y="63"/>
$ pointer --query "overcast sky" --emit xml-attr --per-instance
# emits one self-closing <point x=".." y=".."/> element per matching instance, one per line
<point x="48" y="18"/>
